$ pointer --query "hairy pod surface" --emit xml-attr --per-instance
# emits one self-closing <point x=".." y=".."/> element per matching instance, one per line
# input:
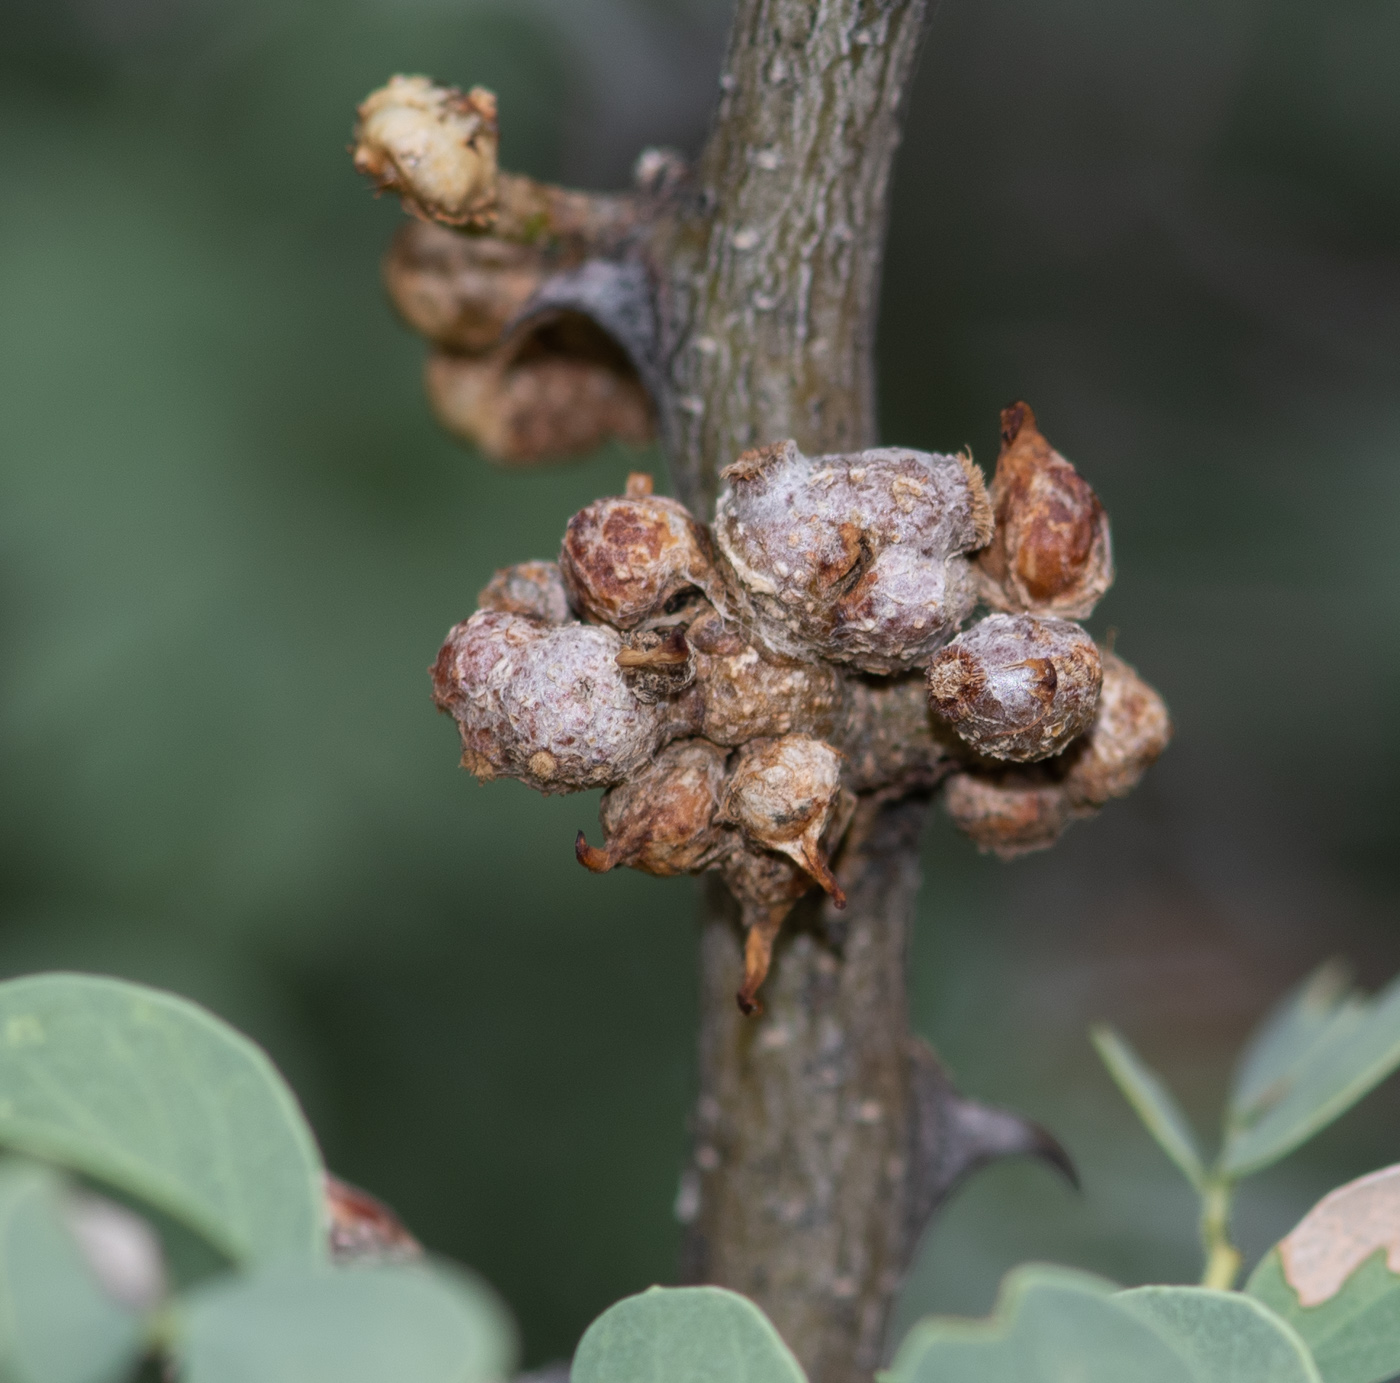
<point x="628" y="558"/>
<point x="1017" y="687"/>
<point x="545" y="704"/>
<point x="433" y="145"/>
<point x="663" y="820"/>
<point x="460" y="291"/>
<point x="853" y="559"/>
<point x="533" y="589"/>
<point x="1051" y="553"/>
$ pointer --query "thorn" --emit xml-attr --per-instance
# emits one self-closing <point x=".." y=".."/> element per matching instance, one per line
<point x="599" y="861"/>
<point x="982" y="1133"/>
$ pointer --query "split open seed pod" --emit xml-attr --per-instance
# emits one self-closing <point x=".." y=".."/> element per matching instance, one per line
<point x="433" y="145"/>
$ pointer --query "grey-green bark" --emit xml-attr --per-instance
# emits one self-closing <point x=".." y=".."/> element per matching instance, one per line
<point x="806" y="1188"/>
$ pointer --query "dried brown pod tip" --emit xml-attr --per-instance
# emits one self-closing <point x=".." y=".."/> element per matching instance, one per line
<point x="632" y="558"/>
<point x="856" y="558"/>
<point x="1017" y="687"/>
<point x="433" y="145"/>
<point x="557" y="388"/>
<point x="783" y="793"/>
<point x="546" y="704"/>
<point x="533" y="589"/>
<point x="657" y="663"/>
<point x="460" y="291"/>
<point x="766" y="886"/>
<point x="1051" y="553"/>
<point x="663" y="820"/>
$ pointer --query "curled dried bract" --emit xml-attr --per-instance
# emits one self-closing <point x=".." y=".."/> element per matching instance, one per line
<point x="853" y="559"/>
<point x="546" y="704"/>
<point x="663" y="820"/>
<point x="783" y="793"/>
<point x="433" y="145"/>
<point x="1051" y="553"/>
<point x="1017" y="687"/>
<point x="630" y="558"/>
<point x="557" y="388"/>
<point x="460" y="291"/>
<point x="533" y="589"/>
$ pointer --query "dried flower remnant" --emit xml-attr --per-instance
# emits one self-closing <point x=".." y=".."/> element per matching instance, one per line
<point x="1051" y="553"/>
<point x="657" y="664"/>
<point x="783" y="793"/>
<point x="433" y="145"/>
<point x="853" y="559"/>
<point x="546" y="704"/>
<point x="663" y="820"/>
<point x="533" y="589"/>
<point x="460" y="291"/>
<point x="1017" y="687"/>
<point x="559" y="388"/>
<point x="636" y="557"/>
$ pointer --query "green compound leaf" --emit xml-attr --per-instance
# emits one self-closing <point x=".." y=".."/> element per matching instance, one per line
<point x="302" y="1324"/>
<point x="1051" y="1325"/>
<point x="1154" y="1103"/>
<point x="163" y="1101"/>
<point x="57" y="1325"/>
<point x="684" y="1335"/>
<point x="1223" y="1336"/>
<point x="1336" y="1280"/>
<point x="1315" y="1057"/>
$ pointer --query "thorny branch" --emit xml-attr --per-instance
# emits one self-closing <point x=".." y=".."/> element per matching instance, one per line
<point x="772" y="697"/>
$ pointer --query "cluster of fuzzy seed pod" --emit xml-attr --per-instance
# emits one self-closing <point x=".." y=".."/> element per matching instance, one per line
<point x="735" y="690"/>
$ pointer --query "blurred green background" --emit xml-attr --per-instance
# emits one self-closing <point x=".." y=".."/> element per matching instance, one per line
<point x="231" y="539"/>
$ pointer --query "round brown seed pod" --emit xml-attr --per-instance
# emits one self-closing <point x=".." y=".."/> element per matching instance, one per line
<point x="657" y="663"/>
<point x="663" y="820"/>
<point x="852" y="559"/>
<point x="546" y="397"/>
<point x="1129" y="733"/>
<point x="433" y="145"/>
<point x="782" y="793"/>
<point x="460" y="291"/>
<point x="1010" y="813"/>
<point x="1017" y="687"/>
<point x="533" y="589"/>
<point x="629" y="558"/>
<point x="545" y="704"/>
<point x="1051" y="553"/>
